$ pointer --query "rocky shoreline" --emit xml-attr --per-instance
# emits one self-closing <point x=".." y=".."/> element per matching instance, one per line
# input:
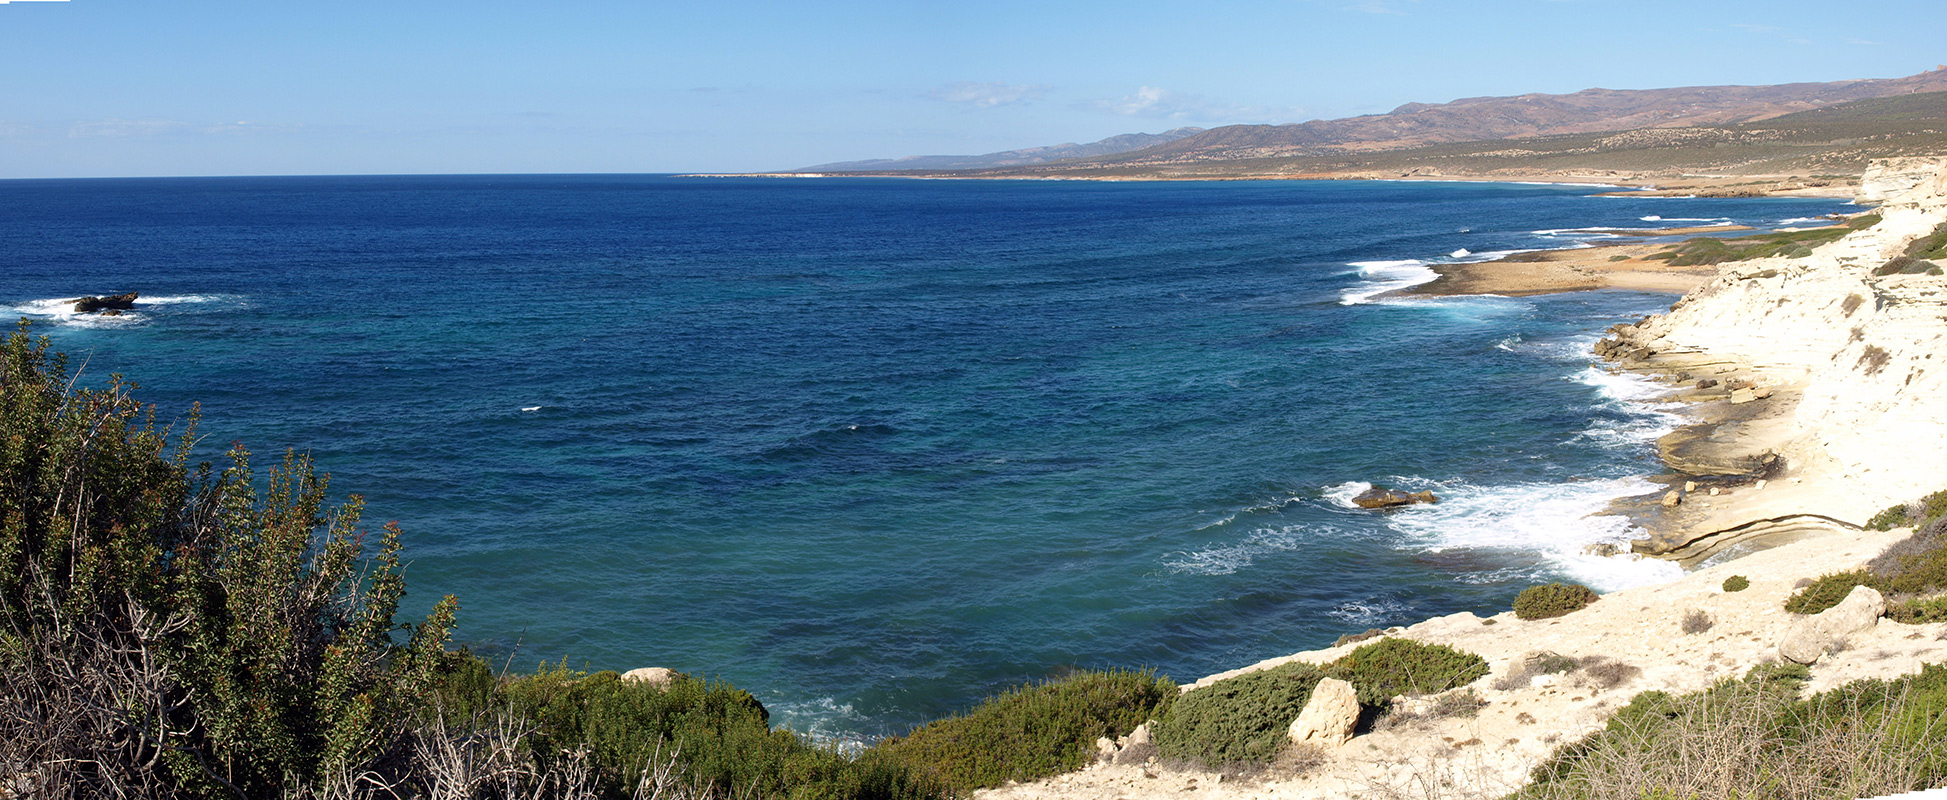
<point x="1816" y="403"/>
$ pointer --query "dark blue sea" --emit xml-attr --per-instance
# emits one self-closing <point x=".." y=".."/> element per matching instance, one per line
<point x="876" y="449"/>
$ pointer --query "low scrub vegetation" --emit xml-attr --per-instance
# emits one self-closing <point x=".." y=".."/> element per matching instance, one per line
<point x="169" y="631"/>
<point x="1736" y="583"/>
<point x="1241" y="720"/>
<point x="1391" y="667"/>
<point x="1755" y="738"/>
<point x="1826" y="591"/>
<point x="1553" y="600"/>
<point x="1705" y="250"/>
<point x="1245" y="720"/>
<point x="1031" y="732"/>
<point x="1909" y="572"/>
<point x="1931" y="246"/>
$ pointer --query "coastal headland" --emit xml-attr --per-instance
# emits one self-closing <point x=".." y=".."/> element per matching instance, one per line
<point x="1816" y="401"/>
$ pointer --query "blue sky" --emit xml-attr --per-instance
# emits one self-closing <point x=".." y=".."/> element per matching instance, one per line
<point x="212" y="87"/>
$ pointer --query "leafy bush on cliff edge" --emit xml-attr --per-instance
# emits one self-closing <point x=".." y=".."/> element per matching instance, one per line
<point x="1392" y="667"/>
<point x="174" y="631"/>
<point x="1030" y="732"/>
<point x="1241" y="720"/>
<point x="1553" y="600"/>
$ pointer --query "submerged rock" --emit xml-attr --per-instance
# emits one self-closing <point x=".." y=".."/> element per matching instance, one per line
<point x="1376" y="497"/>
<point x="91" y="303"/>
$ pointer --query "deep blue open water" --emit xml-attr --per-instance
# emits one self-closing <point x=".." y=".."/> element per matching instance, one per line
<point x="875" y="449"/>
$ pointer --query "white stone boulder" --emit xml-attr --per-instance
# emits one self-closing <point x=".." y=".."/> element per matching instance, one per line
<point x="1808" y="639"/>
<point x="1329" y="715"/>
<point x="660" y="677"/>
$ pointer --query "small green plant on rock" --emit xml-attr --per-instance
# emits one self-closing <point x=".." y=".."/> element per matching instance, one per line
<point x="1241" y="720"/>
<point x="1736" y="583"/>
<point x="1385" y="669"/>
<point x="1827" y="591"/>
<point x="1892" y="517"/>
<point x="1553" y="600"/>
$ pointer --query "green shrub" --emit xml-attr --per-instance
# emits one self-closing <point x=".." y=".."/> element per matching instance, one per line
<point x="1920" y="573"/>
<point x="1391" y="667"/>
<point x="1553" y="600"/>
<point x="1904" y="265"/>
<point x="170" y="631"/>
<point x="717" y="736"/>
<point x="1736" y="583"/>
<point x="174" y="632"/>
<point x="1241" y="720"/>
<point x="1918" y="610"/>
<point x="1033" y="731"/>
<point x="1892" y="517"/>
<point x="1932" y="507"/>
<point x="1932" y="245"/>
<point x="1826" y="592"/>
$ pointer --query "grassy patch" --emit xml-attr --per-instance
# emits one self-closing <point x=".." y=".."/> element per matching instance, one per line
<point x="1706" y="250"/>
<point x="1033" y="731"/>
<point x="1755" y="738"/>
<point x="1736" y="583"/>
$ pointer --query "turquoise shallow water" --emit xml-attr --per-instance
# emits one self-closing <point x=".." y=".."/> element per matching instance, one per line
<point x="875" y="449"/>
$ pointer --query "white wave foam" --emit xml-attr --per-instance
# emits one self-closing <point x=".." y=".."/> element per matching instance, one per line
<point x="825" y="721"/>
<point x="1229" y="558"/>
<point x="60" y="310"/>
<point x="1804" y="220"/>
<point x="1381" y="277"/>
<point x="1592" y="233"/>
<point x="1369" y="612"/>
<point x="1341" y="495"/>
<point x="1554" y="520"/>
<point x="1565" y="183"/>
<point x="1461" y="253"/>
<point x="1621" y="385"/>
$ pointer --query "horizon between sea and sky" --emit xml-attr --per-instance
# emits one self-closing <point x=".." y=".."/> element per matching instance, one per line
<point x="106" y="88"/>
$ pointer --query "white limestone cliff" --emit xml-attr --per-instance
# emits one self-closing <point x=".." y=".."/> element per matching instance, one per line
<point x="1870" y="351"/>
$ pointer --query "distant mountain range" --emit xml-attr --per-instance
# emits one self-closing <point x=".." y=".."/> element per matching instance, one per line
<point x="1483" y="118"/>
<point x="1011" y="158"/>
<point x="1733" y="129"/>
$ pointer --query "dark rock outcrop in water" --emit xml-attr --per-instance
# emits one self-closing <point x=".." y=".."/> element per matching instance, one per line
<point x="118" y="302"/>
<point x="1376" y="497"/>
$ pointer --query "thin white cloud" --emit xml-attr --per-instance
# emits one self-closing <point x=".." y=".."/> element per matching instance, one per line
<point x="1159" y="103"/>
<point x="1865" y="42"/>
<point x="4" y="2"/>
<point x="988" y="95"/>
<point x="125" y="127"/>
<point x="1393" y="7"/>
<point x="247" y="128"/>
